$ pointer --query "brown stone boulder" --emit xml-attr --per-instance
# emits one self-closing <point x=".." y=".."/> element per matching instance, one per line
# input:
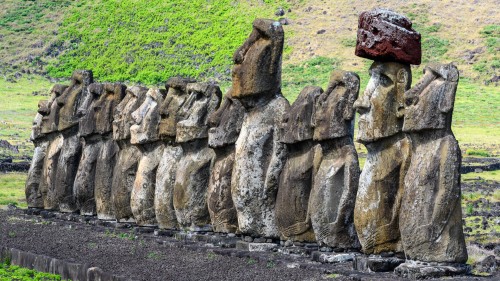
<point x="431" y="213"/>
<point x="384" y="35"/>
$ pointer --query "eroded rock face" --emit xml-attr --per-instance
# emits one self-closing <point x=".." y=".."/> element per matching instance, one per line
<point x="384" y="35"/>
<point x="378" y="201"/>
<point x="193" y="172"/>
<point x="296" y="178"/>
<point x="225" y="125"/>
<point x="165" y="180"/>
<point x="259" y="156"/>
<point x="129" y="155"/>
<point x="145" y="133"/>
<point x="50" y="120"/>
<point x="72" y="97"/>
<point x="431" y="214"/>
<point x="336" y="172"/>
<point x="49" y="171"/>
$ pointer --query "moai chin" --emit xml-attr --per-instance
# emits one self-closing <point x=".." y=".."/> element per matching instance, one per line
<point x="336" y="171"/>
<point x="125" y="169"/>
<point x="165" y="178"/>
<point x="225" y="126"/>
<point x="259" y="156"/>
<point x="145" y="134"/>
<point x="61" y="194"/>
<point x="431" y="214"/>
<point x="193" y="171"/>
<point x="295" y="182"/>
<point x="389" y="39"/>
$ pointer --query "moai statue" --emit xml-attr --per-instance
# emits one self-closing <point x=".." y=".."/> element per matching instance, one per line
<point x="112" y="94"/>
<point x="225" y="125"/>
<point x="431" y="214"/>
<point x="387" y="38"/>
<point x="61" y="194"/>
<point x="193" y="171"/>
<point x="336" y="171"/>
<point x="32" y="188"/>
<point x="84" y="180"/>
<point x="145" y="134"/>
<point x="172" y="152"/>
<point x="50" y="121"/>
<point x="259" y="156"/>
<point x="129" y="155"/>
<point x="297" y="176"/>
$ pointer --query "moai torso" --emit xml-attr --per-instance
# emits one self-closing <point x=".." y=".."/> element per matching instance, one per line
<point x="387" y="38"/>
<point x="336" y="175"/>
<point x="297" y="176"/>
<point x="259" y="156"/>
<point x="431" y="213"/>
<point x="129" y="155"/>
<point x="172" y="152"/>
<point x="145" y="134"/>
<point x="225" y="128"/>
<point x="193" y="171"/>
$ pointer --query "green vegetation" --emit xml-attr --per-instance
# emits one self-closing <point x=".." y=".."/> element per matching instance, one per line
<point x="12" y="189"/>
<point x="10" y="272"/>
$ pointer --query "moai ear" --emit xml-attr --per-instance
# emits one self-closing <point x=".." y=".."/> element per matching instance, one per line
<point x="401" y="86"/>
<point x="352" y="87"/>
<point x="447" y="96"/>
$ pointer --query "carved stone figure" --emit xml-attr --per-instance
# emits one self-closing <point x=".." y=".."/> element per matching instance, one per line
<point x="431" y="214"/>
<point x="61" y="194"/>
<point x="336" y="172"/>
<point x="259" y="156"/>
<point x="297" y="176"/>
<point x="145" y="134"/>
<point x="112" y="94"/>
<point x="50" y="120"/>
<point x="381" y="109"/>
<point x="193" y="171"/>
<point x="125" y="169"/>
<point x="225" y="128"/>
<point x="172" y="152"/>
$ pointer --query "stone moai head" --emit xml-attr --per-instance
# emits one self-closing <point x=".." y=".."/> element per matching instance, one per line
<point x="387" y="38"/>
<point x="297" y="123"/>
<point x="429" y="104"/>
<point x="203" y="99"/>
<point x="334" y="111"/>
<point x="257" y="63"/>
<point x="147" y="118"/>
<point x="122" y="121"/>
<point x="225" y="123"/>
<point x="86" y="112"/>
<point x="72" y="97"/>
<point x="50" y="120"/>
<point x="111" y="95"/>
<point x="36" y="129"/>
<point x="176" y="96"/>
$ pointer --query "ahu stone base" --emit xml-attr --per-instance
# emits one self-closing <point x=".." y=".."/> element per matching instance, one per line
<point x="376" y="263"/>
<point x="422" y="270"/>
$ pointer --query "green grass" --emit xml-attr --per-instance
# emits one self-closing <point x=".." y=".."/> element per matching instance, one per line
<point x="12" y="189"/>
<point x="485" y="175"/>
<point x="10" y="272"/>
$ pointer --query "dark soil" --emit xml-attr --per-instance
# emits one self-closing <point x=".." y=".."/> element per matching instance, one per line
<point x="144" y="256"/>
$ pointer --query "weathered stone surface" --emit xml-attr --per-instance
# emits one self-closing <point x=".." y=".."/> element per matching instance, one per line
<point x="336" y="176"/>
<point x="165" y="180"/>
<point x="295" y="181"/>
<point x="193" y="172"/>
<point x="129" y="155"/>
<point x="84" y="179"/>
<point x="50" y="120"/>
<point x="104" y="109"/>
<point x="72" y="97"/>
<point x="259" y="156"/>
<point x="105" y="164"/>
<point x="431" y="213"/>
<point x="33" y="193"/>
<point x="417" y="270"/>
<point x="170" y="107"/>
<point x="225" y="126"/>
<point x="145" y="134"/>
<point x="49" y="170"/>
<point x="384" y="35"/>
<point x="67" y="166"/>
<point x="378" y="201"/>
<point x="376" y="263"/>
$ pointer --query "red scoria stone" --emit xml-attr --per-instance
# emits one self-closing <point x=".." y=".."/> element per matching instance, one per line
<point x="384" y="35"/>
